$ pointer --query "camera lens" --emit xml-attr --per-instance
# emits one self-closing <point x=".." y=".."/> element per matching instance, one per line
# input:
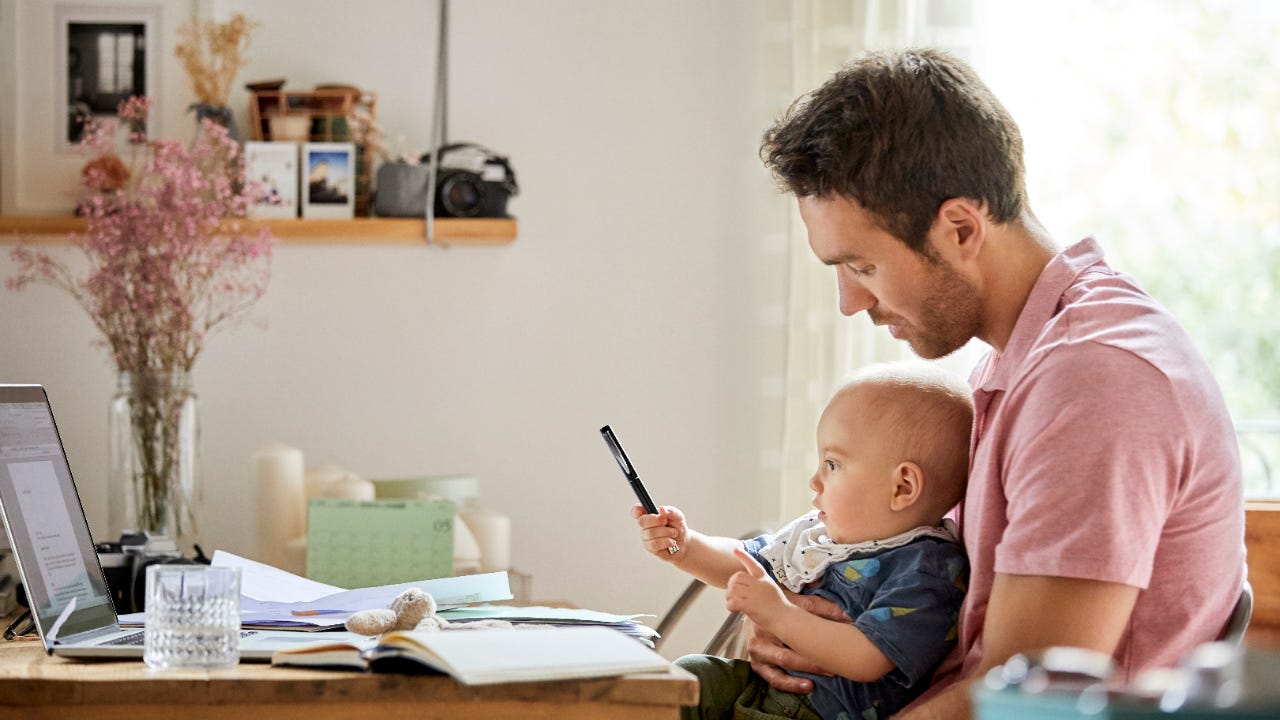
<point x="460" y="196"/>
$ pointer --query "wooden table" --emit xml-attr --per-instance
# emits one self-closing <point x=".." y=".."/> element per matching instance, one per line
<point x="36" y="686"/>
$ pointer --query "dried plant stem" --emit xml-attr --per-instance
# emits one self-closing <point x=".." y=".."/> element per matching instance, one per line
<point x="212" y="53"/>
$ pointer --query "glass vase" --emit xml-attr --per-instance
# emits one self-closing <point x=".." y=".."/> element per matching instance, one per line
<point x="220" y="114"/>
<point x="154" y="433"/>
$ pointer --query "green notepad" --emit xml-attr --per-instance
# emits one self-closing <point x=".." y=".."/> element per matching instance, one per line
<point x="367" y="543"/>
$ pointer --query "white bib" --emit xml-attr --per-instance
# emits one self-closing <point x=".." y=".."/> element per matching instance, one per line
<point x="801" y="551"/>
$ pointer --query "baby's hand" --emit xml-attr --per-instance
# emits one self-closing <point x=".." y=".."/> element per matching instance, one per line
<point x="664" y="535"/>
<point x="752" y="592"/>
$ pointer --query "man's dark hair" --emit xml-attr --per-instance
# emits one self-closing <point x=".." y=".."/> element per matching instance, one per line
<point x="900" y="132"/>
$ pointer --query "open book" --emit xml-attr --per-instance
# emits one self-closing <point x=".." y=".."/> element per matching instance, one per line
<point x="491" y="655"/>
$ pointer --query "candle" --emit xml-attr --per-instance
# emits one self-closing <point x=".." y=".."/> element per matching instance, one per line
<point x="319" y="479"/>
<point x="350" y="487"/>
<point x="295" y="556"/>
<point x="281" y="501"/>
<point x="493" y="534"/>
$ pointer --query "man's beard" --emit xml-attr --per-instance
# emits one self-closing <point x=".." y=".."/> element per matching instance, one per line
<point x="950" y="314"/>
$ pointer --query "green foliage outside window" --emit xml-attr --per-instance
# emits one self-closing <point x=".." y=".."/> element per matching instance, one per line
<point x="1154" y="125"/>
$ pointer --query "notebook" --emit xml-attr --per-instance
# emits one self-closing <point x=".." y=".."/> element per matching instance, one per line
<point x="492" y="655"/>
<point x="54" y="551"/>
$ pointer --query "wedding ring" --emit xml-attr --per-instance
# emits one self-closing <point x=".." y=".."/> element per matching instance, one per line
<point x="673" y="549"/>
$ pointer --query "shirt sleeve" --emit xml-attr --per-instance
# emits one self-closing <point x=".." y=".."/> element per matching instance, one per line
<point x="1092" y="468"/>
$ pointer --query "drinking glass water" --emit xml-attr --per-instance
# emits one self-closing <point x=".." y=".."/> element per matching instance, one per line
<point x="193" y="616"/>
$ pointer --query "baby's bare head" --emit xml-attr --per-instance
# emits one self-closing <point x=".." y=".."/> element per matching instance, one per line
<point x="917" y="413"/>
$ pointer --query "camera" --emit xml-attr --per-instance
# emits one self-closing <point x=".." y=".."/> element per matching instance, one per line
<point x="472" y="182"/>
<point x="124" y="566"/>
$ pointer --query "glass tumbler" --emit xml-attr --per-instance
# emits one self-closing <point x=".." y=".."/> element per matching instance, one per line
<point x="193" y="616"/>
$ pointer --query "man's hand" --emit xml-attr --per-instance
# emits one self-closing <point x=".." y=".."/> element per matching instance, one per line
<point x="771" y="660"/>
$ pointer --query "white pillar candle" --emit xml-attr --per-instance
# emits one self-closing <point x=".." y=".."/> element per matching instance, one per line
<point x="281" y="500"/>
<point x="493" y="534"/>
<point x="466" y="550"/>
<point x="295" y="552"/>
<point x="319" y="479"/>
<point x="350" y="487"/>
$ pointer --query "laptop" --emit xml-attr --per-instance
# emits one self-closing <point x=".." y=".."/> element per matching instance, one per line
<point x="55" y="554"/>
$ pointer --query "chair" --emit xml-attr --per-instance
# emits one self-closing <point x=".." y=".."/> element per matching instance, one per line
<point x="726" y="640"/>
<point x="1238" y="621"/>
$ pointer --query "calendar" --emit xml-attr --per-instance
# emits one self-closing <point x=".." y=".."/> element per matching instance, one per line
<point x="368" y="543"/>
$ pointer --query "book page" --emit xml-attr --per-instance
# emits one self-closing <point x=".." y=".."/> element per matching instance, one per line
<point x="484" y="656"/>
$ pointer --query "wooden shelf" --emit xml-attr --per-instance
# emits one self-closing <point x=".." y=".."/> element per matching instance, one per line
<point x="460" y="232"/>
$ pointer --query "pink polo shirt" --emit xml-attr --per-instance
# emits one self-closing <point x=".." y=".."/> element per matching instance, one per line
<point x="1102" y="449"/>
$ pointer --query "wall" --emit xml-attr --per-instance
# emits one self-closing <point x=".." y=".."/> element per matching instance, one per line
<point x="631" y="297"/>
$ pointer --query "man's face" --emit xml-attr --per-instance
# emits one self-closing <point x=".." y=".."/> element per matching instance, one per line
<point x="924" y="301"/>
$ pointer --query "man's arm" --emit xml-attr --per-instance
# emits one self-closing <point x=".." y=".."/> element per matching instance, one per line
<point x="1032" y="612"/>
<point x="770" y="659"/>
<point x="838" y="646"/>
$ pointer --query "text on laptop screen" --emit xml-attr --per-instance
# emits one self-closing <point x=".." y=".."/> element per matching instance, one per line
<point x="45" y="519"/>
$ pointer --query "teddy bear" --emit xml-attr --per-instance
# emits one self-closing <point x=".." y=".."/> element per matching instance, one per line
<point x="413" y="609"/>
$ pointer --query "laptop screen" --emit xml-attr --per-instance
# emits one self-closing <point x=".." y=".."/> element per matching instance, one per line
<point x="44" y="517"/>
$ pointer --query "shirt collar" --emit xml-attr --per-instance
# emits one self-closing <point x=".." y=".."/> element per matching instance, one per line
<point x="1042" y="304"/>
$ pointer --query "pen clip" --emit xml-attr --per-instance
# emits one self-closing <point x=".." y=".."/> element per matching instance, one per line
<point x="619" y="454"/>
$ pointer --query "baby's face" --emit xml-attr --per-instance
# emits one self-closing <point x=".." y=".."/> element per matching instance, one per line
<point x="854" y="481"/>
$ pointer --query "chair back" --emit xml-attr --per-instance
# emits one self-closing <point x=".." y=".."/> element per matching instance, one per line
<point x="725" y="641"/>
<point x="1238" y="621"/>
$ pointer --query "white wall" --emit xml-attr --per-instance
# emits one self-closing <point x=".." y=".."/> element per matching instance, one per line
<point x="631" y="297"/>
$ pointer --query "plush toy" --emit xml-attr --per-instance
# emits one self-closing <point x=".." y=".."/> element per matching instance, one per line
<point x="412" y="609"/>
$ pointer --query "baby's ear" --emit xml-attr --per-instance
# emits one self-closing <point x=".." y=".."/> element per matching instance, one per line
<point x="908" y="486"/>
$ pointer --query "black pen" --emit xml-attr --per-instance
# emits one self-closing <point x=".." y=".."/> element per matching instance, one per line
<point x="629" y="471"/>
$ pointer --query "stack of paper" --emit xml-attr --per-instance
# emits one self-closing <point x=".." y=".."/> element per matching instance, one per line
<point x="273" y="598"/>
<point x="563" y="617"/>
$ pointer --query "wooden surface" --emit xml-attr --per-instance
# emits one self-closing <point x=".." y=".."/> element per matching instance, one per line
<point x="359" y="231"/>
<point x="34" y="685"/>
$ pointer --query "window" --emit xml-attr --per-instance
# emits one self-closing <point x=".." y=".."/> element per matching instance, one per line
<point x="1150" y="124"/>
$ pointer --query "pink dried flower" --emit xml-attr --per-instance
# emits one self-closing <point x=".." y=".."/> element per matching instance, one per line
<point x="136" y="107"/>
<point x="168" y="255"/>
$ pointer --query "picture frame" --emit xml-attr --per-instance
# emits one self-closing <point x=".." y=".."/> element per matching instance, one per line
<point x="328" y="180"/>
<point x="275" y="165"/>
<point x="104" y="54"/>
<point x="40" y="172"/>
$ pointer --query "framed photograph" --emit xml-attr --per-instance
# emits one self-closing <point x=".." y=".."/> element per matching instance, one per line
<point x="104" y="55"/>
<point x="44" y="85"/>
<point x="275" y="165"/>
<point x="328" y="185"/>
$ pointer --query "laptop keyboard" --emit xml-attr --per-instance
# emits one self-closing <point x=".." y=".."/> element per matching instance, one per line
<point x="137" y="638"/>
<point x="130" y="639"/>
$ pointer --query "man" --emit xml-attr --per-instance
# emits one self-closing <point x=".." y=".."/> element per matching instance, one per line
<point x="1104" y="508"/>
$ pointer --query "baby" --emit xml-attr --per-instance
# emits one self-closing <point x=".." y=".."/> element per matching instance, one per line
<point x="893" y="459"/>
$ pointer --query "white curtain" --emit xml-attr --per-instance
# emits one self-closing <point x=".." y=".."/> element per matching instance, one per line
<point x="822" y="347"/>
